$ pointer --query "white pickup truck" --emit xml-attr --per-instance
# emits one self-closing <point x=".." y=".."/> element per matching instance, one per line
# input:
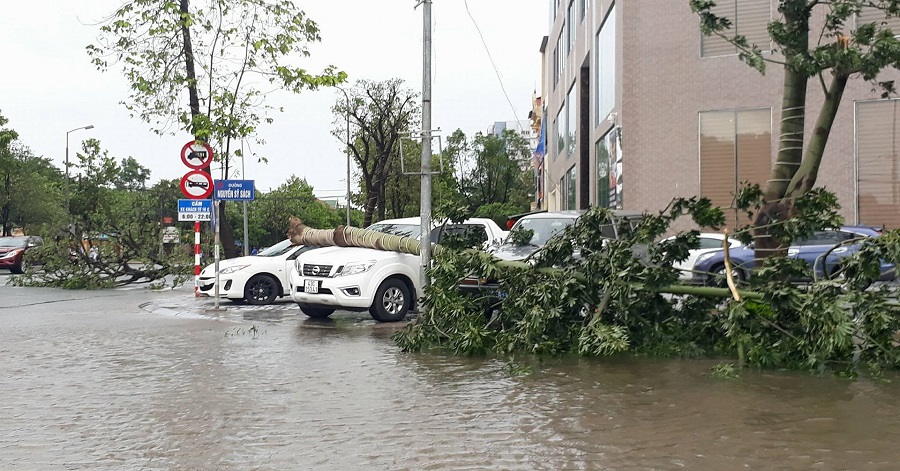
<point x="382" y="282"/>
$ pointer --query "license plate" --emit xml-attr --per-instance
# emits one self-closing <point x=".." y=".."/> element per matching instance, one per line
<point x="311" y="286"/>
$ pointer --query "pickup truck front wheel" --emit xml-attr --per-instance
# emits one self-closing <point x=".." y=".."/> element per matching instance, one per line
<point x="392" y="301"/>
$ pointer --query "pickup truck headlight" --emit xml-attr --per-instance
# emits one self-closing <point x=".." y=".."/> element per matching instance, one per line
<point x="230" y="270"/>
<point x="354" y="268"/>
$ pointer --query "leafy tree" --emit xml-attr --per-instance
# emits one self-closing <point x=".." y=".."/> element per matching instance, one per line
<point x="834" y="53"/>
<point x="29" y="186"/>
<point x="380" y="113"/>
<point x="224" y="54"/>
<point x="268" y="214"/>
<point x="493" y="172"/>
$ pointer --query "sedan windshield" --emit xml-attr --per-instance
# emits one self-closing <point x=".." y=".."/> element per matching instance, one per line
<point x="13" y="241"/>
<point x="544" y="228"/>
<point x="280" y="248"/>
<point x="405" y="230"/>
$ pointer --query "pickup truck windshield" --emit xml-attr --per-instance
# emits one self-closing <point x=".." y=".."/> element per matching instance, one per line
<point x="405" y="230"/>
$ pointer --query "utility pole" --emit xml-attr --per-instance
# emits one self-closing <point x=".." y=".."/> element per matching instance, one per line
<point x="425" y="201"/>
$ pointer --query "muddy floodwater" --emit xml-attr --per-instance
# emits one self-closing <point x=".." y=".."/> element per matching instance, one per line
<point x="136" y="380"/>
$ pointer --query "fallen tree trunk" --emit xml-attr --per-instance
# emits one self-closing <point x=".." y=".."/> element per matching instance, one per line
<point x="347" y="236"/>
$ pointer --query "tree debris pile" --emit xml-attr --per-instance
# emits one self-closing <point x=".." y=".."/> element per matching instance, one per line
<point x="604" y="301"/>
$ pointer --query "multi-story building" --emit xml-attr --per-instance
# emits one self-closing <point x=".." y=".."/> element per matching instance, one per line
<point x="641" y="108"/>
<point x="522" y="127"/>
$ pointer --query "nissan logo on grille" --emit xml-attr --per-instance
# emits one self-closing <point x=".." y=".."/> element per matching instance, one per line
<point x="316" y="270"/>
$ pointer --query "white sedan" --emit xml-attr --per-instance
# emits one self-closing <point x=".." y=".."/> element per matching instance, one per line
<point x="709" y="242"/>
<point x="256" y="279"/>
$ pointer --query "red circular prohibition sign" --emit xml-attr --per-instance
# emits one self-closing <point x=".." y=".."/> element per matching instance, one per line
<point x="196" y="188"/>
<point x="197" y="158"/>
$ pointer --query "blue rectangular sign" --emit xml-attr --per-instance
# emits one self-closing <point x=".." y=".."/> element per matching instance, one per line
<point x="194" y="210"/>
<point x="233" y="190"/>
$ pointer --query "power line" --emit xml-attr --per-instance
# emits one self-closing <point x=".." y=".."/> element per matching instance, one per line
<point x="494" y="65"/>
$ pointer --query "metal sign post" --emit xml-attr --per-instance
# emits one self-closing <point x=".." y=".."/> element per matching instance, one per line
<point x="215" y="223"/>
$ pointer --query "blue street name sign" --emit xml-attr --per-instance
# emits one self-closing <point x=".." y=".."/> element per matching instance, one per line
<point x="194" y="210"/>
<point x="233" y="190"/>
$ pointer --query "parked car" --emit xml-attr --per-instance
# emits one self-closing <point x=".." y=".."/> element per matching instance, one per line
<point x="384" y="283"/>
<point x="709" y="242"/>
<point x="544" y="225"/>
<point x="709" y="267"/>
<point x="12" y="252"/>
<point x="257" y="279"/>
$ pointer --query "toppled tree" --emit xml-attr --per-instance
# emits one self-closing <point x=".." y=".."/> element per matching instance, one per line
<point x="114" y="235"/>
<point x="590" y="295"/>
<point x="834" y="54"/>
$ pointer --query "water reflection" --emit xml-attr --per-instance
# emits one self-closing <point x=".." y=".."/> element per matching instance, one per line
<point x="107" y="390"/>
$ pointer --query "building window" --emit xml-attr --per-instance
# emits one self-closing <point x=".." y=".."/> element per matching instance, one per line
<point x="606" y="66"/>
<point x="878" y="163"/>
<point x="561" y="57"/>
<point x="582" y="9"/>
<point x="609" y="171"/>
<point x="560" y="137"/>
<point x="601" y="150"/>
<point x="555" y="9"/>
<point x="570" y="188"/>
<point x="749" y="18"/>
<point x="571" y="123"/>
<point x="735" y="149"/>
<point x="570" y="27"/>
<point x="556" y="70"/>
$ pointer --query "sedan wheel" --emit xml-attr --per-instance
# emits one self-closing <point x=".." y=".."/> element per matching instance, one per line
<point x="261" y="289"/>
<point x="719" y="280"/>
<point x="19" y="269"/>
<point x="392" y="301"/>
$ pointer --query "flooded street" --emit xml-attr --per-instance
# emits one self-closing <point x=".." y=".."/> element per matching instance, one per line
<point x="138" y="380"/>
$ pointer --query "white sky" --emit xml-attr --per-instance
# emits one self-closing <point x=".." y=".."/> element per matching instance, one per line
<point x="48" y="86"/>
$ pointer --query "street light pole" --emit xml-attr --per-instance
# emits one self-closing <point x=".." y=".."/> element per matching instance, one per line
<point x="347" y="150"/>
<point x="89" y="126"/>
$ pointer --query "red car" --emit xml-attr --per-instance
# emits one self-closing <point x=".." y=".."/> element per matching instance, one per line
<point x="12" y="252"/>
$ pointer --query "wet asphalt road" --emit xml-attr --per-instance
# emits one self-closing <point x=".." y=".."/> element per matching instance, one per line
<point x="130" y="379"/>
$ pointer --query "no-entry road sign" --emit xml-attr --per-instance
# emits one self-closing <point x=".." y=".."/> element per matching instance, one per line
<point x="196" y="184"/>
<point x="197" y="155"/>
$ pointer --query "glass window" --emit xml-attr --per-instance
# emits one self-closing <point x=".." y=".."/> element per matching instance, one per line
<point x="601" y="151"/>
<point x="561" y="57"/>
<point x="606" y="66"/>
<point x="278" y="249"/>
<point x="749" y="18"/>
<point x="583" y="4"/>
<point x="570" y="188"/>
<point x="560" y="137"/>
<point x="609" y="171"/>
<point x="735" y="149"/>
<point x="543" y="228"/>
<point x="710" y="243"/>
<point x="405" y="230"/>
<point x="878" y="163"/>
<point x="570" y="27"/>
<point x="473" y="234"/>
<point x="571" y="122"/>
<point x="556" y="70"/>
